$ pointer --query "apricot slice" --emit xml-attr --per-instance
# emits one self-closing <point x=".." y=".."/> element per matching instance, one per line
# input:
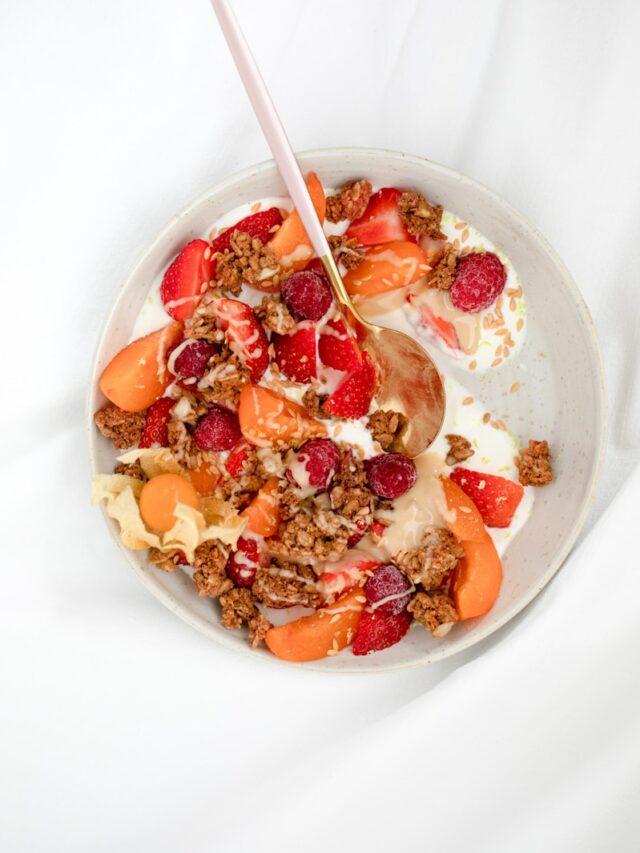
<point x="467" y="524"/>
<point x="266" y="418"/>
<point x="478" y="579"/>
<point x="204" y="479"/>
<point x="159" y="497"/>
<point x="321" y="634"/>
<point x="386" y="267"/>
<point x="262" y="513"/>
<point x="137" y="375"/>
<point x="290" y="243"/>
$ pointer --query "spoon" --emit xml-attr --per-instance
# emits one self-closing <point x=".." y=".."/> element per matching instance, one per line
<point x="409" y="381"/>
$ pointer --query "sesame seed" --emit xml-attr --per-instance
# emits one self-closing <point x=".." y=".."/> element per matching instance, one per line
<point x="467" y="401"/>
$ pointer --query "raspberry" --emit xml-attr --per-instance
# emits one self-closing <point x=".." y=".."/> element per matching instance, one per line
<point x="385" y="582"/>
<point x="192" y="361"/>
<point x="376" y="632"/>
<point x="321" y="458"/>
<point x="307" y="295"/>
<point x="480" y="279"/>
<point x="390" y="474"/>
<point x="244" y="563"/>
<point x="218" y="430"/>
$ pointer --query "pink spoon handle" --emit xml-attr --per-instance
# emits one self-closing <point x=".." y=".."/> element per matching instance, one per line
<point x="271" y="125"/>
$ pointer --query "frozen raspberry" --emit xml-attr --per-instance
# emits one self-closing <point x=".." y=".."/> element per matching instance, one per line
<point x="480" y="279"/>
<point x="244" y="563"/>
<point x="321" y="458"/>
<point x="191" y="362"/>
<point x="390" y="474"/>
<point x="306" y="295"/>
<point x="388" y="582"/>
<point x="218" y="430"/>
<point x="376" y="632"/>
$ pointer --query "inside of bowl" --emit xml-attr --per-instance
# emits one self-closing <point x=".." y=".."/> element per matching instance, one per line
<point x="559" y="371"/>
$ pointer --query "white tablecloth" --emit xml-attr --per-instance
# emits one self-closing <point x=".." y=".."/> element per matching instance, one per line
<point x="122" y="728"/>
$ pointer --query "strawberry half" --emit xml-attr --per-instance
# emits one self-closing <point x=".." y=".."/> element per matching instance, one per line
<point x="244" y="334"/>
<point x="440" y="327"/>
<point x="260" y="225"/>
<point x="381" y="222"/>
<point x="236" y="460"/>
<point x="353" y="398"/>
<point x="376" y="632"/>
<point x="182" y="285"/>
<point x="295" y="354"/>
<point x="337" y="348"/>
<point x="496" y="498"/>
<point x="155" y="426"/>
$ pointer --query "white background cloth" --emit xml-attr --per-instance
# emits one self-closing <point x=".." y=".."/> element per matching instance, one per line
<point x="123" y="729"/>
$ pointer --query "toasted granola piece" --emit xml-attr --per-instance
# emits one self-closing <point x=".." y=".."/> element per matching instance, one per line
<point x="209" y="562"/>
<point x="350" y="203"/>
<point x="443" y="274"/>
<point x="182" y="445"/>
<point x="165" y="561"/>
<point x="419" y="216"/>
<point x="225" y="378"/>
<point x="203" y="325"/>
<point x="345" y="250"/>
<point x="290" y="503"/>
<point x="313" y="402"/>
<point x="349" y="494"/>
<point x="430" y="563"/>
<point x="123" y="428"/>
<point x="286" y="584"/>
<point x="319" y="534"/>
<point x="534" y="464"/>
<point x="274" y="315"/>
<point x="459" y="449"/>
<point x="238" y="608"/>
<point x="189" y="407"/>
<point x="433" y="610"/>
<point x="387" y="428"/>
<point x="248" y="261"/>
<point x="131" y="469"/>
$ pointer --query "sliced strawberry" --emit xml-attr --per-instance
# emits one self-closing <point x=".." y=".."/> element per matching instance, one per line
<point x="496" y="498"/>
<point x="236" y="460"/>
<point x="182" y="285"/>
<point x="441" y="327"/>
<point x="381" y="222"/>
<point x="345" y="573"/>
<point x="296" y="354"/>
<point x="244" y="334"/>
<point x="337" y="348"/>
<point x="376" y="632"/>
<point x="353" y="398"/>
<point x="260" y="225"/>
<point x="155" y="427"/>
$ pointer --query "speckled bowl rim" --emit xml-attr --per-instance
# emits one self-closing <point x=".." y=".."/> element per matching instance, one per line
<point x="480" y="634"/>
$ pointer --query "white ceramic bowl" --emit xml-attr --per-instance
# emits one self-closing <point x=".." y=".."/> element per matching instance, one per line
<point x="563" y="397"/>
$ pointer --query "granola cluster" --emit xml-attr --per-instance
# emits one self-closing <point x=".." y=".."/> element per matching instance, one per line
<point x="248" y="261"/>
<point x="459" y="449"/>
<point x="123" y="428"/>
<point x="350" y="203"/>
<point x="420" y="218"/>
<point x="345" y="250"/>
<point x="387" y="428"/>
<point x="534" y="464"/>
<point x="429" y="564"/>
<point x="443" y="274"/>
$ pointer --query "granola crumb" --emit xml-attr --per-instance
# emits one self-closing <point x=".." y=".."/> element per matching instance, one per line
<point x="274" y="315"/>
<point x="248" y="261"/>
<point x="432" y="610"/>
<point x="349" y="494"/>
<point x="238" y="607"/>
<point x="430" y="563"/>
<point x="131" y="469"/>
<point x="123" y="428"/>
<point x="258" y="626"/>
<point x="225" y="378"/>
<point x="165" y="561"/>
<point x="350" y="203"/>
<point x="313" y="402"/>
<point x="534" y="464"/>
<point x="443" y="274"/>
<point x="345" y="250"/>
<point x="419" y="216"/>
<point x="387" y="428"/>
<point x="183" y="446"/>
<point x="320" y="534"/>
<point x="286" y="584"/>
<point x="459" y="449"/>
<point x="209" y="561"/>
